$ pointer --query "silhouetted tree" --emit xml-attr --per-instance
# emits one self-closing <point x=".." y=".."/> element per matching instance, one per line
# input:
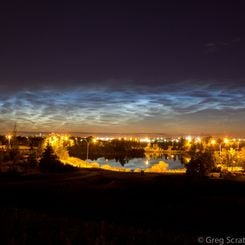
<point x="49" y="160"/>
<point x="201" y="164"/>
<point x="14" y="154"/>
<point x="32" y="159"/>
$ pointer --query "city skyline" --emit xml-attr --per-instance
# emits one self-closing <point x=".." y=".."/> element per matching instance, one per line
<point x="172" y="67"/>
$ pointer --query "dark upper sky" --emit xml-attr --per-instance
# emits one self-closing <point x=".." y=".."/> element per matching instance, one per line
<point x="169" y="66"/>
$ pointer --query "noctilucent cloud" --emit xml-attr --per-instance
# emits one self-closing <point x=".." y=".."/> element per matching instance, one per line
<point x="183" y="108"/>
<point x="173" y="67"/>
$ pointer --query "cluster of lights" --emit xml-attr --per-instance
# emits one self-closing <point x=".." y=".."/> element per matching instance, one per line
<point x="56" y="140"/>
<point x="104" y="138"/>
<point x="225" y="140"/>
<point x="145" y="140"/>
<point x="188" y="138"/>
<point x="128" y="139"/>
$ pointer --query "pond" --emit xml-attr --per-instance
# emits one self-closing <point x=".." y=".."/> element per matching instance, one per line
<point x="174" y="161"/>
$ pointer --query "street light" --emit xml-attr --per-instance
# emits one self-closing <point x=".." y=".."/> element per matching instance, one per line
<point x="226" y="141"/>
<point x="214" y="142"/>
<point x="238" y="144"/>
<point x="220" y="148"/>
<point x="94" y="141"/>
<point x="9" y="138"/>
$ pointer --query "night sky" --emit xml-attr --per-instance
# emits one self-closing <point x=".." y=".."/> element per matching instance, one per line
<point x="175" y="67"/>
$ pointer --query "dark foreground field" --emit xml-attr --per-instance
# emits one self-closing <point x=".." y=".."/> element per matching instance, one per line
<point x="100" y="207"/>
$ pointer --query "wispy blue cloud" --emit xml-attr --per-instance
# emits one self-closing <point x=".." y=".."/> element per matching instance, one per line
<point x="171" y="108"/>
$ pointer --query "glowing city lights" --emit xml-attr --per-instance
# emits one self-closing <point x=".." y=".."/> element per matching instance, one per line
<point x="226" y="140"/>
<point x="145" y="140"/>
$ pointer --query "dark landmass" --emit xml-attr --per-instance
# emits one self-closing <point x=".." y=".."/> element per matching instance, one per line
<point x="103" y="207"/>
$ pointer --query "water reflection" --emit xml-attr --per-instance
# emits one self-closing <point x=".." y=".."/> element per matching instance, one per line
<point x="174" y="161"/>
<point x="168" y="157"/>
<point x="122" y="160"/>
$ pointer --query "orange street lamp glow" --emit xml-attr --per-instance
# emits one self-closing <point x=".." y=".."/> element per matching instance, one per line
<point x="213" y="142"/>
<point x="9" y="138"/>
<point x="93" y="141"/>
<point x="198" y="140"/>
<point x="226" y="141"/>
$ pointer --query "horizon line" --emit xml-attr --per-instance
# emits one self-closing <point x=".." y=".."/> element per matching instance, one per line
<point x="116" y="133"/>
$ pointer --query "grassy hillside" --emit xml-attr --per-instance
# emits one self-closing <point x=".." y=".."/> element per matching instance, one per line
<point x="103" y="207"/>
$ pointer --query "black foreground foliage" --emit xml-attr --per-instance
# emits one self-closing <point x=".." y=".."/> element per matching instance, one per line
<point x="50" y="162"/>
